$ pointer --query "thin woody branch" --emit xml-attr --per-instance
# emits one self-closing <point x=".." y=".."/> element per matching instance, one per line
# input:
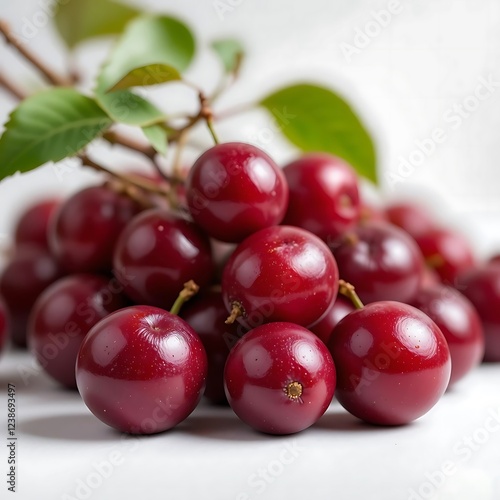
<point x="50" y="75"/>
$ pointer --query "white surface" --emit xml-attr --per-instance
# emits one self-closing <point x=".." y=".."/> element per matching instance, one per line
<point x="213" y="455"/>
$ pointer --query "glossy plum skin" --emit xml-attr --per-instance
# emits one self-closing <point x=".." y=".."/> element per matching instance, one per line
<point x="32" y="226"/>
<point x="411" y="217"/>
<point x="481" y="286"/>
<point x="381" y="261"/>
<point x="324" y="327"/>
<point x="281" y="273"/>
<point x="29" y="272"/>
<point x="141" y="370"/>
<point x="447" y="252"/>
<point x="235" y="189"/>
<point x="207" y="314"/>
<point x="459" y="322"/>
<point x="157" y="253"/>
<point x="62" y="316"/>
<point x="84" y="230"/>
<point x="263" y="369"/>
<point x="324" y="196"/>
<point x="4" y="325"/>
<point x="393" y="363"/>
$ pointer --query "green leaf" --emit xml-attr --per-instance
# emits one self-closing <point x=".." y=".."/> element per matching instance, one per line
<point x="230" y="52"/>
<point x="49" y="126"/>
<point x="153" y="49"/>
<point x="316" y="119"/>
<point x="78" y="20"/>
<point x="151" y="74"/>
<point x="157" y="137"/>
<point x="126" y="107"/>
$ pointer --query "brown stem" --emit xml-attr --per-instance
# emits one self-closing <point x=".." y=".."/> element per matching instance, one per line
<point x="146" y="150"/>
<point x="176" y="135"/>
<point x="177" y="174"/>
<point x="236" y="311"/>
<point x="190" y="289"/>
<point x="11" y="87"/>
<point x="116" y="138"/>
<point x="347" y="290"/>
<point x="136" y="194"/>
<point x="50" y="75"/>
<point x="434" y="261"/>
<point x="148" y="186"/>
<point x="207" y="114"/>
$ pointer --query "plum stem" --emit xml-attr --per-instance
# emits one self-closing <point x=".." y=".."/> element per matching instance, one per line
<point x="190" y="289"/>
<point x="347" y="290"/>
<point x="236" y="312"/>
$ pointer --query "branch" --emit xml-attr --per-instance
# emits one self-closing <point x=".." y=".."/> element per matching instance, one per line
<point x="144" y="184"/>
<point x="130" y="186"/>
<point x="51" y="76"/>
<point x="127" y="142"/>
<point x="11" y="87"/>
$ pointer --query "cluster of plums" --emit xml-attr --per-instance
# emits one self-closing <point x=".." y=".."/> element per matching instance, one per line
<point x="95" y="285"/>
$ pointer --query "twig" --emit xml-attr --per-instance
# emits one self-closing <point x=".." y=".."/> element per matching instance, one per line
<point x="140" y="147"/>
<point x="50" y="76"/>
<point x="12" y="88"/>
<point x="176" y="165"/>
<point x="144" y="184"/>
<point x="116" y="138"/>
<point x="207" y="115"/>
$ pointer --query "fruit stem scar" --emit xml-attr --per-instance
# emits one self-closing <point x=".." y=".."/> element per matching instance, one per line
<point x="351" y="238"/>
<point x="347" y="290"/>
<point x="236" y="311"/>
<point x="434" y="261"/>
<point x="345" y="201"/>
<point x="293" y="390"/>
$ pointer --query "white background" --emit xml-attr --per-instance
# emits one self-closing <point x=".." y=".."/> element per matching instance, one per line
<point x="429" y="58"/>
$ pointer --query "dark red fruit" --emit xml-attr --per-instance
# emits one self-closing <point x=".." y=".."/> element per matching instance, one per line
<point x="381" y="261"/>
<point x="324" y="197"/>
<point x="279" y="378"/>
<point x="494" y="259"/>
<point x="29" y="272"/>
<point x="393" y="363"/>
<point x="62" y="316"/>
<point x="482" y="287"/>
<point x="447" y="252"/>
<point x="157" y="253"/>
<point x="4" y="325"/>
<point x="324" y="327"/>
<point x="207" y="314"/>
<point x="141" y="370"/>
<point x="32" y="225"/>
<point x="84" y="230"/>
<point x="411" y="217"/>
<point x="458" y="320"/>
<point x="235" y="189"/>
<point x="280" y="273"/>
